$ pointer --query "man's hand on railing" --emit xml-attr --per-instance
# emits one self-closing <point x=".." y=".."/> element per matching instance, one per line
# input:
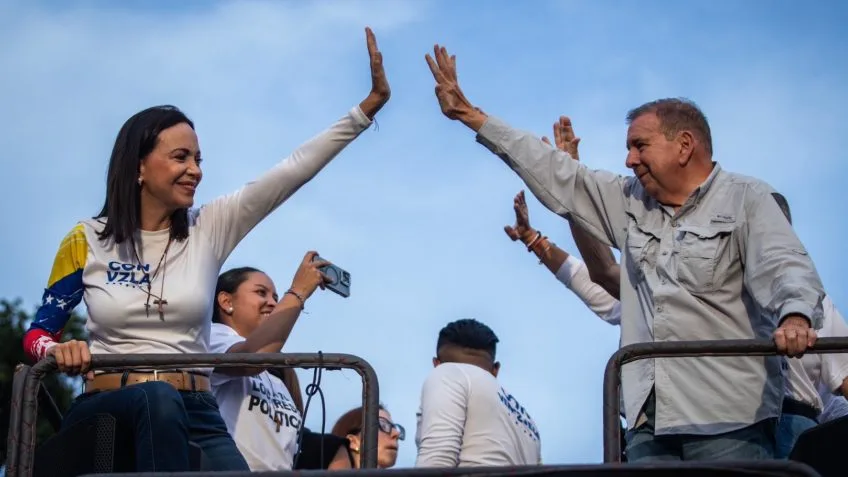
<point x="794" y="336"/>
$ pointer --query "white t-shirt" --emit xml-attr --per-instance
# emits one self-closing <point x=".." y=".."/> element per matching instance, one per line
<point x="825" y="371"/>
<point x="467" y="418"/>
<point x="834" y="406"/>
<point x="259" y="410"/>
<point x="113" y="283"/>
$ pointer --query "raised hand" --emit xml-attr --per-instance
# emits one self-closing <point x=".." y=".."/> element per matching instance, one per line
<point x="380" y="90"/>
<point x="308" y="276"/>
<point x="522" y="229"/>
<point x="452" y="101"/>
<point x="564" y="137"/>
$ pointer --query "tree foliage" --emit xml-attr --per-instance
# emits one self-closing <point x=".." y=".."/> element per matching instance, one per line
<point x="14" y="321"/>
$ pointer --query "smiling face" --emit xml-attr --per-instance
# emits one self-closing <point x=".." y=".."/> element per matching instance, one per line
<point x="655" y="159"/>
<point x="253" y="301"/>
<point x="171" y="172"/>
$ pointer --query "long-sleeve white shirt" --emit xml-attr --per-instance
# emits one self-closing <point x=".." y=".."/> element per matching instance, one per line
<point x="113" y="284"/>
<point x="467" y="418"/>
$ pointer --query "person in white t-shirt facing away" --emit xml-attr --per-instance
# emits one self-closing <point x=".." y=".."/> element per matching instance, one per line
<point x="349" y="427"/>
<point x="466" y="418"/>
<point x="262" y="411"/>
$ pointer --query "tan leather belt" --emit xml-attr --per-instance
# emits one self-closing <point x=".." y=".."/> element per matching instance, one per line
<point x="181" y="380"/>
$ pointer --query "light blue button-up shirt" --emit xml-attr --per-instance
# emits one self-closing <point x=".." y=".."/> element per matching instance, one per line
<point x="726" y="265"/>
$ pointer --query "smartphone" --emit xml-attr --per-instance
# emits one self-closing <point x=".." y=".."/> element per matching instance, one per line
<point x="339" y="278"/>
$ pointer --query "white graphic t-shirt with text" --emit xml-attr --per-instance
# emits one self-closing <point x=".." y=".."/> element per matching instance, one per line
<point x="259" y="411"/>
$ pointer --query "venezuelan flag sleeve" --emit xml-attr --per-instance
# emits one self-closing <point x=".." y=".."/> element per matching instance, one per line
<point x="63" y="293"/>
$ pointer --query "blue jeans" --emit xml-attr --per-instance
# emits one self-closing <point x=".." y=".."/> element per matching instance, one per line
<point x="164" y="420"/>
<point x="789" y="428"/>
<point x="754" y="442"/>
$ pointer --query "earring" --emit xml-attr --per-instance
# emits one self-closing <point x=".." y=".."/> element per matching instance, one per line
<point x="140" y="180"/>
<point x="230" y="310"/>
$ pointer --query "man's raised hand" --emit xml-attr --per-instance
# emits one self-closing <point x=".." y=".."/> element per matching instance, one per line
<point x="380" y="90"/>
<point x="564" y="137"/>
<point x="452" y="101"/>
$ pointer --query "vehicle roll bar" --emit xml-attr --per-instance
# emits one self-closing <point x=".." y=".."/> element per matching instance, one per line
<point x="24" y="408"/>
<point x="681" y="349"/>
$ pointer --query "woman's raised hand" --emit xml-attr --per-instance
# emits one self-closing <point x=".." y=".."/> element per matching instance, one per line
<point x="380" y="90"/>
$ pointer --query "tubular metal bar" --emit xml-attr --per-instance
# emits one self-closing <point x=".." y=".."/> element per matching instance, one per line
<point x="370" y="387"/>
<point x="13" y="437"/>
<point x="757" y="468"/>
<point x="54" y="415"/>
<point x="680" y="349"/>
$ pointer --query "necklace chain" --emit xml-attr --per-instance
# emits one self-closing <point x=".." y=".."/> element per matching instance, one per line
<point x="159" y="301"/>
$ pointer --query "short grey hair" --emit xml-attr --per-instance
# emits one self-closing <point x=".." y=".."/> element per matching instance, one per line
<point x="676" y="115"/>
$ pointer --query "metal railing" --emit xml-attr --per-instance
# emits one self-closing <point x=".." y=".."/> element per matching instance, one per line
<point x="681" y="349"/>
<point x="759" y="468"/>
<point x="27" y="382"/>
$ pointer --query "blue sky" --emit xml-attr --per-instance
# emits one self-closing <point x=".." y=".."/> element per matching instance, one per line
<point x="415" y="211"/>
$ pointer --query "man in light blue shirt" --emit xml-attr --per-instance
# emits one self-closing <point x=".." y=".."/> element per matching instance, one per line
<point x="706" y="255"/>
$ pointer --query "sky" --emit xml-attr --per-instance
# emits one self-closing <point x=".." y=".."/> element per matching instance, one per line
<point x="415" y="209"/>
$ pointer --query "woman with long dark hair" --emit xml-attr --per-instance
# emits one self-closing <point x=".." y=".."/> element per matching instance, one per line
<point x="147" y="266"/>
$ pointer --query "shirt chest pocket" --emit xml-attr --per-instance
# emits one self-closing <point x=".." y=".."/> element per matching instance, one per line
<point x="700" y="251"/>
<point x="641" y="248"/>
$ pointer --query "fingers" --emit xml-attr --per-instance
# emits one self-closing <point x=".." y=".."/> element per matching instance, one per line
<point x="557" y="135"/>
<point x="85" y="356"/>
<point x="567" y="128"/>
<point x="434" y="68"/>
<point x="511" y="233"/>
<point x="442" y="60"/>
<point x="76" y="360"/>
<point x="310" y="255"/>
<point x="794" y="340"/>
<point x="72" y="357"/>
<point x="453" y="67"/>
<point x="320" y="263"/>
<point x="441" y="65"/>
<point x="371" y="41"/>
<point x="812" y="337"/>
<point x="780" y="340"/>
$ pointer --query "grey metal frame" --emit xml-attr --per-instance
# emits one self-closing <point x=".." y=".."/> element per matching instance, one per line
<point x="27" y="383"/>
<point x="680" y="349"/>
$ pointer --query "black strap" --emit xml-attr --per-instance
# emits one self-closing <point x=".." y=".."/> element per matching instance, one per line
<point x="798" y="408"/>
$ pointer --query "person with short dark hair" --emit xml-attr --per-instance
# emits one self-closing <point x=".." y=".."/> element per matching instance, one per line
<point x="146" y="268"/>
<point x="349" y="427"/>
<point x="466" y="418"/>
